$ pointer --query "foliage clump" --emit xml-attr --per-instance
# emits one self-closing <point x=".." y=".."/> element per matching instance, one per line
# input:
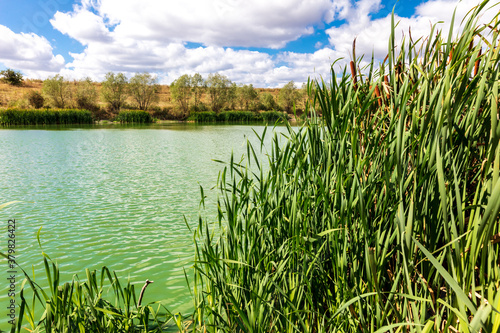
<point x="36" y="99"/>
<point x="86" y="95"/>
<point x="57" y="90"/>
<point x="115" y="90"/>
<point x="12" y="77"/>
<point x="144" y="88"/>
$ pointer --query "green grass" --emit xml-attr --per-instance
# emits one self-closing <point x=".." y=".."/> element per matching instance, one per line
<point x="44" y="117"/>
<point x="134" y="116"/>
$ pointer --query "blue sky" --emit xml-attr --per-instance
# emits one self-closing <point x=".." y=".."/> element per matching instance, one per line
<point x="263" y="42"/>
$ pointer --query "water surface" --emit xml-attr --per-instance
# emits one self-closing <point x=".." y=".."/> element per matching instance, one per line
<point x="115" y="197"/>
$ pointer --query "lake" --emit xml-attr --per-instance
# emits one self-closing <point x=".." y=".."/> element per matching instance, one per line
<point x="113" y="196"/>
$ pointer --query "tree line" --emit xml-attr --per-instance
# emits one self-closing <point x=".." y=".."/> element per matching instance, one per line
<point x="223" y="94"/>
<point x="189" y="93"/>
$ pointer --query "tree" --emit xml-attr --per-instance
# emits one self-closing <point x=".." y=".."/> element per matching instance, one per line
<point x="198" y="86"/>
<point x="144" y="89"/>
<point x="268" y="102"/>
<point x="181" y="91"/>
<point x="86" y="95"/>
<point x="12" y="77"/>
<point x="114" y="90"/>
<point x="288" y="96"/>
<point x="219" y="90"/>
<point x="247" y="96"/>
<point x="57" y="90"/>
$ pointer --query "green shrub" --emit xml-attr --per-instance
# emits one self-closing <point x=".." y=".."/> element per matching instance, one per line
<point x="36" y="99"/>
<point x="134" y="116"/>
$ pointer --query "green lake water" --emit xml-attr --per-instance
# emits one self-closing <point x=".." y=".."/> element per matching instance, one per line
<point x="112" y="196"/>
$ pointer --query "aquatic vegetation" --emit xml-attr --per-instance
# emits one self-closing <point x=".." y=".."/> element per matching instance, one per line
<point x="383" y="215"/>
<point x="45" y="117"/>
<point x="134" y="116"/>
<point x="239" y="116"/>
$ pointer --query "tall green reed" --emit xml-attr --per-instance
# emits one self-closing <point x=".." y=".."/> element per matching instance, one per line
<point x="383" y="215"/>
<point x="239" y="116"/>
<point x="100" y="303"/>
<point x="134" y="116"/>
<point x="45" y="117"/>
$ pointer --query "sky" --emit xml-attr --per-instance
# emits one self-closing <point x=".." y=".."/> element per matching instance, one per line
<point x="266" y="43"/>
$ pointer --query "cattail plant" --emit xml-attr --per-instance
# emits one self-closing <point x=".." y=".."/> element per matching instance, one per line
<point x="383" y="215"/>
<point x="45" y="117"/>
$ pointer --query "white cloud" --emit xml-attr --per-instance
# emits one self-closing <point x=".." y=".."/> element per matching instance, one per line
<point x="82" y="25"/>
<point x="30" y="53"/>
<point x="373" y="35"/>
<point x="152" y="35"/>
<point x="229" y="23"/>
<point x="128" y="36"/>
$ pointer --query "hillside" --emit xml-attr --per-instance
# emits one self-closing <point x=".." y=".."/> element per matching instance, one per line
<point x="16" y="97"/>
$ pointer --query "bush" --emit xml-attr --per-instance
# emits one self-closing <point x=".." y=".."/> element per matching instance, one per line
<point x="134" y="116"/>
<point x="36" y="99"/>
<point x="12" y="77"/>
<point x="21" y="103"/>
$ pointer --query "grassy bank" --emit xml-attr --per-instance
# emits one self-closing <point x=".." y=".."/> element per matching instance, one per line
<point x="44" y="117"/>
<point x="382" y="216"/>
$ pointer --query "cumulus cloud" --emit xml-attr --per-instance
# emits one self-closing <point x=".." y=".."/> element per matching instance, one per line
<point x="128" y="36"/>
<point x="82" y="25"/>
<point x="227" y="23"/>
<point x="157" y="36"/>
<point x="31" y="53"/>
<point x="373" y="34"/>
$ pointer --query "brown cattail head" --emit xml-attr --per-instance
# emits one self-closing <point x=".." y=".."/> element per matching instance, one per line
<point x="353" y="73"/>
<point x="386" y="81"/>
<point x="478" y="61"/>
<point x="379" y="97"/>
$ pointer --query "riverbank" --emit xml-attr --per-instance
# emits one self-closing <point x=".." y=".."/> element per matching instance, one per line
<point x="10" y="117"/>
